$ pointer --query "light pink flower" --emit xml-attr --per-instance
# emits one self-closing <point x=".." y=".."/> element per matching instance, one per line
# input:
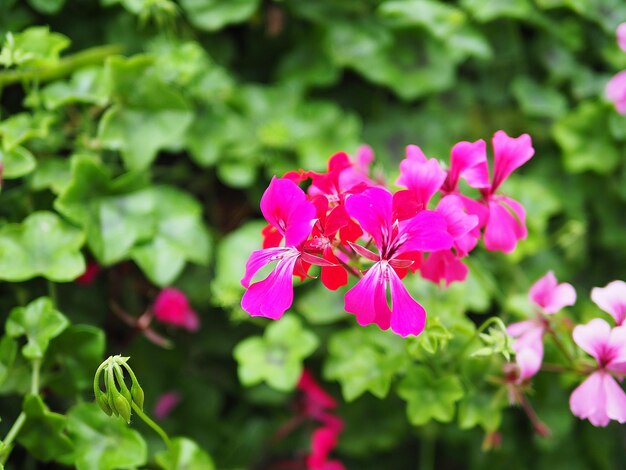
<point x="615" y="91"/>
<point x="621" y="36"/>
<point x="165" y="404"/>
<point x="172" y="307"/>
<point x="286" y="208"/>
<point x="551" y="296"/>
<point x="397" y="244"/>
<point x="612" y="298"/>
<point x="600" y="398"/>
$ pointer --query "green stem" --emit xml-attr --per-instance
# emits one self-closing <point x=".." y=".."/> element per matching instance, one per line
<point x="158" y="429"/>
<point x="52" y="292"/>
<point x="427" y="453"/>
<point x="493" y="320"/>
<point x="559" y="344"/>
<point x="66" y="66"/>
<point x="5" y="451"/>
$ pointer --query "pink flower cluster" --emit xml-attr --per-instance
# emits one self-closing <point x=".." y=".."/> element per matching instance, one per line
<point x="599" y="398"/>
<point x="616" y="87"/>
<point x="345" y="219"/>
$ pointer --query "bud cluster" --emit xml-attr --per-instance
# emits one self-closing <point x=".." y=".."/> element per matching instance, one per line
<point x="117" y="399"/>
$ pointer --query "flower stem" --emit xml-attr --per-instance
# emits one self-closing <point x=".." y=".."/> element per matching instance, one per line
<point x="559" y="344"/>
<point x="156" y="428"/>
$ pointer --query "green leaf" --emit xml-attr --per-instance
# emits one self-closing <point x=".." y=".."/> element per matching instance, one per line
<point x="39" y="321"/>
<point x="16" y="162"/>
<point x="585" y="138"/>
<point x="211" y="15"/>
<point x="482" y="408"/>
<point x="487" y="10"/>
<point x="149" y="114"/>
<point x="184" y="454"/>
<point x="48" y="7"/>
<point x="180" y="236"/>
<point x="429" y="397"/>
<point x="102" y="442"/>
<point x="364" y="359"/>
<point x="86" y="86"/>
<point x="440" y="19"/>
<point x="8" y="352"/>
<point x="34" y="47"/>
<point x="53" y="173"/>
<point x="23" y="127"/>
<point x="538" y="100"/>
<point x="72" y="358"/>
<point x="44" y="432"/>
<point x="42" y="245"/>
<point x="275" y="358"/>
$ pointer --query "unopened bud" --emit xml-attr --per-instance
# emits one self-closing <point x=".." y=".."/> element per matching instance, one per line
<point x="137" y="393"/>
<point x="122" y="406"/>
<point x="103" y="403"/>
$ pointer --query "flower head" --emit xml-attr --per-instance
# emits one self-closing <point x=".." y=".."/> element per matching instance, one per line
<point x="615" y="91"/>
<point x="551" y="296"/>
<point x="172" y="307"/>
<point x="612" y="299"/>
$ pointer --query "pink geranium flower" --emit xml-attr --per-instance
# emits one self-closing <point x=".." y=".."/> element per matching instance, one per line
<point x="503" y="218"/>
<point x="600" y="398"/>
<point x="612" y="299"/>
<point x="550" y="297"/>
<point x="285" y="206"/>
<point x="615" y="91"/>
<point x="397" y="244"/>
<point x="165" y="404"/>
<point x="172" y="307"/>
<point x="621" y="36"/>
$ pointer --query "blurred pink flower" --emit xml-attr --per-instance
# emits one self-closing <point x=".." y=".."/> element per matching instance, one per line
<point x="90" y="274"/>
<point x="616" y="91"/>
<point x="172" y="307"/>
<point x="621" y="36"/>
<point x="551" y="296"/>
<point x="612" y="299"/>
<point x="599" y="398"/>
<point x="165" y="404"/>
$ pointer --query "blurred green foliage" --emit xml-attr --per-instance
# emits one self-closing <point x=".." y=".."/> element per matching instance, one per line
<point x="141" y="134"/>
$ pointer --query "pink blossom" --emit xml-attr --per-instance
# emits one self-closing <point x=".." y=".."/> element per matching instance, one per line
<point x="397" y="243"/>
<point x="621" y="36"/>
<point x="172" y="307"/>
<point x="423" y="177"/>
<point x="528" y="344"/>
<point x="165" y="404"/>
<point x="551" y="296"/>
<point x="612" y="298"/>
<point x="615" y="91"/>
<point x="600" y="398"/>
<point x="91" y="272"/>
<point x="323" y="441"/>
<point x="317" y="401"/>
<point x="285" y="206"/>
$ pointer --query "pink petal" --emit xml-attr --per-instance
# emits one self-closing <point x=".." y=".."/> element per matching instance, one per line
<point x="506" y="224"/>
<point x="413" y="152"/>
<point x="551" y="296"/>
<point x="443" y="265"/>
<point x="468" y="160"/>
<point x="520" y="328"/>
<point x="364" y="157"/>
<point x="333" y="277"/>
<point x="285" y="206"/>
<point x="424" y="178"/>
<point x="165" y="404"/>
<point x="612" y="298"/>
<point x="593" y="337"/>
<point x="529" y="362"/>
<point x="407" y="316"/>
<point x="272" y="296"/>
<point x="588" y="401"/>
<point x="368" y="299"/>
<point x="615" y="400"/>
<point x="427" y="231"/>
<point x="621" y="36"/>
<point x="460" y="223"/>
<point x="172" y="307"/>
<point x="372" y="209"/>
<point x="616" y="350"/>
<point x="615" y="91"/>
<point x="260" y="258"/>
<point x="509" y="153"/>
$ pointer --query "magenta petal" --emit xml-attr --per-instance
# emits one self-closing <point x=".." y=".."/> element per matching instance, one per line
<point x="616" y="350"/>
<point x="468" y="160"/>
<point x="612" y="299"/>
<point x="443" y="265"/>
<point x="407" y="316"/>
<point x="509" y="153"/>
<point x="588" y="401"/>
<point x="551" y="296"/>
<point x="506" y="224"/>
<point x="413" y="152"/>
<point x="285" y="206"/>
<point x="367" y="300"/>
<point x="260" y="258"/>
<point x="593" y="337"/>
<point x="621" y="36"/>
<point x="615" y="91"/>
<point x="424" y="178"/>
<point x="272" y="296"/>
<point x="427" y="231"/>
<point x="372" y="209"/>
<point x="460" y="223"/>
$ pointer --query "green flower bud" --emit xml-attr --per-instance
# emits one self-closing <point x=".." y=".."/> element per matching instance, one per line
<point x="122" y="406"/>
<point x="137" y="393"/>
<point x="103" y="403"/>
<point x="119" y="375"/>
